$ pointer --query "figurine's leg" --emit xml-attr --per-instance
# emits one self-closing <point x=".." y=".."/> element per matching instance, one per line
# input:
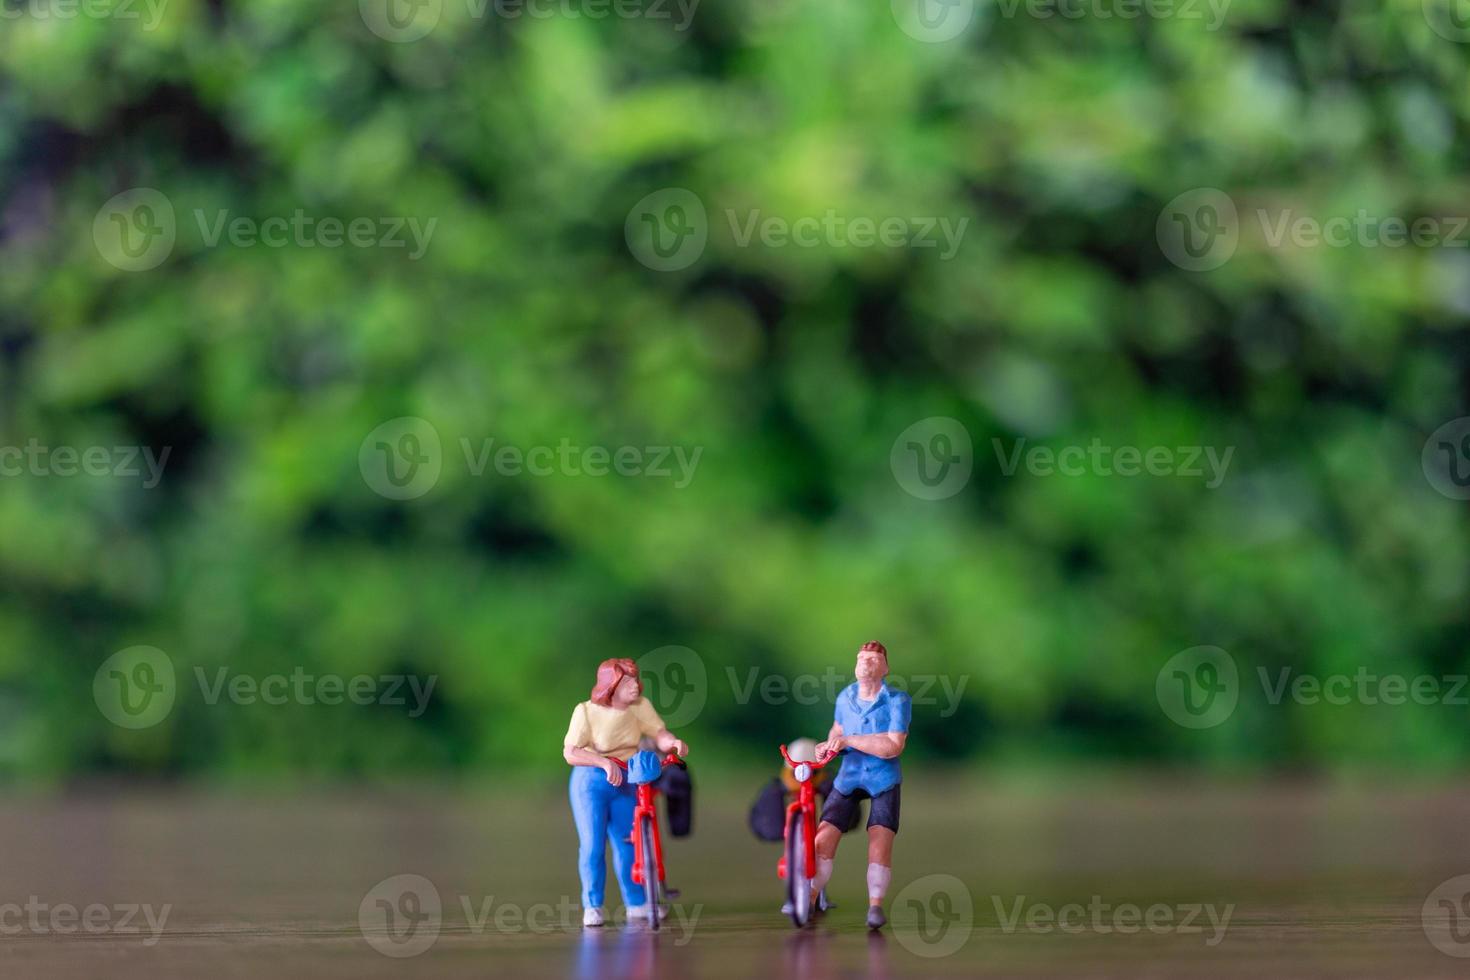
<point x="620" y="834"/>
<point x="882" y="828"/>
<point x="880" y="847"/>
<point x="827" y="839"/>
<point x="589" y="810"/>
<point x="837" y="812"/>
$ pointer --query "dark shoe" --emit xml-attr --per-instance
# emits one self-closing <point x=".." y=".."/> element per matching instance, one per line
<point x="876" y="918"/>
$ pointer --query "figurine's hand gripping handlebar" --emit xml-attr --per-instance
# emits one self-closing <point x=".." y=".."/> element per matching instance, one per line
<point x="815" y="765"/>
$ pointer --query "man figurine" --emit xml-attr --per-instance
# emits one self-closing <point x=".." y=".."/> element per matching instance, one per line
<point x="871" y="725"/>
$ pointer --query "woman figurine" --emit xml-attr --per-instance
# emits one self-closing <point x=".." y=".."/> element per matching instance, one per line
<point x="604" y="728"/>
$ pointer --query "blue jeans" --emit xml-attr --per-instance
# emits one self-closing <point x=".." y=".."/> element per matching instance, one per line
<point x="603" y="810"/>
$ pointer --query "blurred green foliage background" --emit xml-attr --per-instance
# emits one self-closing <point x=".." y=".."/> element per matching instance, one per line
<point x="1053" y="599"/>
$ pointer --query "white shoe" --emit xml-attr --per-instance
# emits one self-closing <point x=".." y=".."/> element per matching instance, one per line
<point x="786" y="908"/>
<point x="592" y="917"/>
<point x="642" y="912"/>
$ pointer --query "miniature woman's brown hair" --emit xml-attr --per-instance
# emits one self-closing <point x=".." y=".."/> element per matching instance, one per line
<point x="609" y="673"/>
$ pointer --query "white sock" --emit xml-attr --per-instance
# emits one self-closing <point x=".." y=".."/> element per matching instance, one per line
<point x="878" y="878"/>
<point x="824" y="873"/>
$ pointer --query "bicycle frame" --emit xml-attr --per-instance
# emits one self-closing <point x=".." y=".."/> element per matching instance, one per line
<point x="806" y="803"/>
<point x="645" y="810"/>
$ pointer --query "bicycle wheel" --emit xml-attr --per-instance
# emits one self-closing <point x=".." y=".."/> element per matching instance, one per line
<point x="653" y="888"/>
<point x="798" y="876"/>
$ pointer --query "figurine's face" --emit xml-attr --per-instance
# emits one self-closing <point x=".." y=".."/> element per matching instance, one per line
<point x="871" y="666"/>
<point x="627" y="693"/>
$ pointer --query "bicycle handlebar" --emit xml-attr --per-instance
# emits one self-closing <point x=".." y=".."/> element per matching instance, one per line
<point x="672" y="759"/>
<point x="815" y="765"/>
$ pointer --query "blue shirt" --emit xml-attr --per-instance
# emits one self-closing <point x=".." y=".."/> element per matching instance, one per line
<point x="888" y="712"/>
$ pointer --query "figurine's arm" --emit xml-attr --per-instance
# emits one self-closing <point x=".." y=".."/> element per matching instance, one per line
<point x="667" y="742"/>
<point x="586" y="757"/>
<point x="885" y="745"/>
<point x="653" y="727"/>
<point x="575" y="748"/>
<point x="834" y="742"/>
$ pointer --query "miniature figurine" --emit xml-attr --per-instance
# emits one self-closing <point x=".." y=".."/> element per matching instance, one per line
<point x="605" y="730"/>
<point x="870" y="727"/>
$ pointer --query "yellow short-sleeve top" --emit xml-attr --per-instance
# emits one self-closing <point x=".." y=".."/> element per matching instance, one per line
<point x="612" y="731"/>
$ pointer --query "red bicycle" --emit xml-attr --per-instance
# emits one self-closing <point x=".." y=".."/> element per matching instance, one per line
<point x="646" y="841"/>
<point x="798" y="865"/>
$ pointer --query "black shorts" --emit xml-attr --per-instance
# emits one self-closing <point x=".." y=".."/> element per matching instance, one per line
<point x="882" y="813"/>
